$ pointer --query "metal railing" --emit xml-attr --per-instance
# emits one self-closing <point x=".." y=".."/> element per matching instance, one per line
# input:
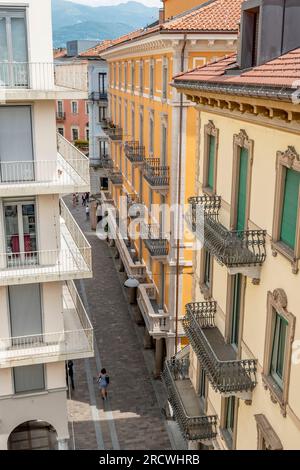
<point x="104" y="123"/>
<point x="232" y="248"/>
<point x="192" y="427"/>
<point x="98" y="96"/>
<point x="115" y="132"/>
<point x="41" y="76"/>
<point x="156" y="174"/>
<point x="60" y="116"/>
<point x="76" y="233"/>
<point x="61" y="344"/>
<point x="105" y="162"/>
<point x="74" y="157"/>
<point x="116" y="178"/>
<point x="157" y="323"/>
<point x="134" y="151"/>
<point x="225" y="376"/>
<point x="156" y="243"/>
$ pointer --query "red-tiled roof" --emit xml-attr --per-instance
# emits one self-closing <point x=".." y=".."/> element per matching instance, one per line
<point x="96" y="50"/>
<point x="220" y="15"/>
<point x="57" y="53"/>
<point x="280" y="72"/>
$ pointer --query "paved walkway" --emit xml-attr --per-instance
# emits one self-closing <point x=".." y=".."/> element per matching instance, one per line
<point x="132" y="417"/>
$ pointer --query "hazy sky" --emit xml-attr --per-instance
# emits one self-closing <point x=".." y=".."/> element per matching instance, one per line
<point x="149" y="3"/>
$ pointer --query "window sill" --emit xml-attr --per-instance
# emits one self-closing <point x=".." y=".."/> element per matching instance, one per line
<point x="276" y="394"/>
<point x="280" y="247"/>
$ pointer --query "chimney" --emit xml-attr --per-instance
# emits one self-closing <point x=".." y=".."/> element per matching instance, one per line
<point x="161" y="18"/>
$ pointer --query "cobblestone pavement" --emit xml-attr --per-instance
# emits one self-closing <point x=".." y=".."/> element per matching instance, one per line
<point x="132" y="417"/>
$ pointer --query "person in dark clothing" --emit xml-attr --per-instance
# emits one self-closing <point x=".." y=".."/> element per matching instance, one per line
<point x="71" y="373"/>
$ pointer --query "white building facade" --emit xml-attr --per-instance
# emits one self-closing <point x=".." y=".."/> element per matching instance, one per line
<point x="43" y="322"/>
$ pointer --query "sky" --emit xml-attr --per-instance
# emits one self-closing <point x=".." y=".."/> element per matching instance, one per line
<point x="149" y="3"/>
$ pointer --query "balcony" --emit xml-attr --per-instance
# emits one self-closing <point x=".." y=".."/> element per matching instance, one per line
<point x="75" y="341"/>
<point x="70" y="260"/>
<point x="115" y="133"/>
<point x="155" y="318"/>
<point x="104" y="162"/>
<point x="28" y="80"/>
<point x="227" y="375"/>
<point x="96" y="96"/>
<point x="135" y="208"/>
<point x="241" y="251"/>
<point x="116" y="178"/>
<point x="134" y="152"/>
<point x="156" y="175"/>
<point x="67" y="173"/>
<point x="156" y="244"/>
<point x="104" y="123"/>
<point x="60" y="116"/>
<point x="193" y="423"/>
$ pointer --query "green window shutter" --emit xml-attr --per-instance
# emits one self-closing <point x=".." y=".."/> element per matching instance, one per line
<point x="242" y="190"/>
<point x="290" y="208"/>
<point x="230" y="408"/>
<point x="207" y="266"/>
<point x="278" y="350"/>
<point x="236" y="308"/>
<point x="211" y="161"/>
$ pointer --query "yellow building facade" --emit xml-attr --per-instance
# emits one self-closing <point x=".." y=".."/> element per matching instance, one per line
<point x="152" y="137"/>
<point x="243" y="319"/>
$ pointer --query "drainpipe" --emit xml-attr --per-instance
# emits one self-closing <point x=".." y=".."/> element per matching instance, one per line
<point x="179" y="200"/>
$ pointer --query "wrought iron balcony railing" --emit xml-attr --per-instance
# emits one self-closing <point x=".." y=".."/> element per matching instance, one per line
<point x="115" y="132"/>
<point x="98" y="96"/>
<point x="157" y="175"/>
<point x="116" y="178"/>
<point x="104" y="123"/>
<point x="227" y="375"/>
<point x="183" y="398"/>
<point x="134" y="152"/>
<point x="60" y="116"/>
<point x="231" y="248"/>
<point x="155" y="242"/>
<point x="105" y="162"/>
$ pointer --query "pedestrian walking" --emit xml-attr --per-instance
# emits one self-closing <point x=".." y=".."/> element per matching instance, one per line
<point x="87" y="211"/>
<point x="83" y="199"/>
<point x="71" y="373"/>
<point x="77" y="198"/>
<point x="103" y="382"/>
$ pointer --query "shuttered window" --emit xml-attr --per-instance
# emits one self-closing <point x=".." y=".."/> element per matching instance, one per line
<point x="278" y="350"/>
<point x="236" y="309"/>
<point x="290" y="208"/>
<point x="207" y="268"/>
<point x="211" y="161"/>
<point x="242" y="190"/>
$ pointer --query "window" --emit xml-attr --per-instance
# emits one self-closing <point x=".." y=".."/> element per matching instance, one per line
<point x="241" y="178"/>
<point x="206" y="272"/>
<point x="132" y="124"/>
<point x="151" y="79"/>
<point x="202" y="390"/>
<point x="25" y="313"/>
<point x="141" y="76"/>
<point x="229" y="420"/>
<point x="141" y="139"/>
<point x="16" y="134"/>
<point x="60" y="130"/>
<point x="267" y="439"/>
<point x="119" y="76"/>
<point x="87" y="108"/>
<point x="280" y="330"/>
<point x="165" y="80"/>
<point x="236" y="303"/>
<point x="151" y="136"/>
<point x="250" y="37"/>
<point x="115" y="75"/>
<point x="20" y="232"/>
<point x="103" y="147"/>
<point x="60" y="108"/>
<point x="163" y="145"/>
<point x="132" y="77"/>
<point x="102" y="82"/>
<point x="87" y="134"/>
<point x="13" y="48"/>
<point x="207" y="268"/>
<point x="29" y="379"/>
<point x="286" y="223"/>
<point x="125" y="76"/>
<point x="74" y="107"/>
<point x="120" y="113"/>
<point x="75" y="134"/>
<point x="125" y="119"/>
<point x="102" y="113"/>
<point x="211" y="135"/>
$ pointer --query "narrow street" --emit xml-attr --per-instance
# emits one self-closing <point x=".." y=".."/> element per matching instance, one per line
<point x="131" y="418"/>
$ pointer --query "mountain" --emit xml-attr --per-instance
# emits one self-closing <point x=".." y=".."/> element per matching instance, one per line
<point x="75" y="21"/>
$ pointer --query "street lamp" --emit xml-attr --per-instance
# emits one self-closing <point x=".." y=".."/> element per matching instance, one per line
<point x="132" y="283"/>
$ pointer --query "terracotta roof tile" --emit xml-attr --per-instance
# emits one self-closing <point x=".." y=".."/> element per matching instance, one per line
<point x="57" y="53"/>
<point x="96" y="50"/>
<point x="220" y="15"/>
<point x="280" y="72"/>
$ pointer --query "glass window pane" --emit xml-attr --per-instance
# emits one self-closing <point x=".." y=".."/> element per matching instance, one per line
<point x="242" y="190"/>
<point x="19" y="43"/>
<point x="29" y="378"/>
<point x="3" y="42"/>
<point x="290" y="208"/>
